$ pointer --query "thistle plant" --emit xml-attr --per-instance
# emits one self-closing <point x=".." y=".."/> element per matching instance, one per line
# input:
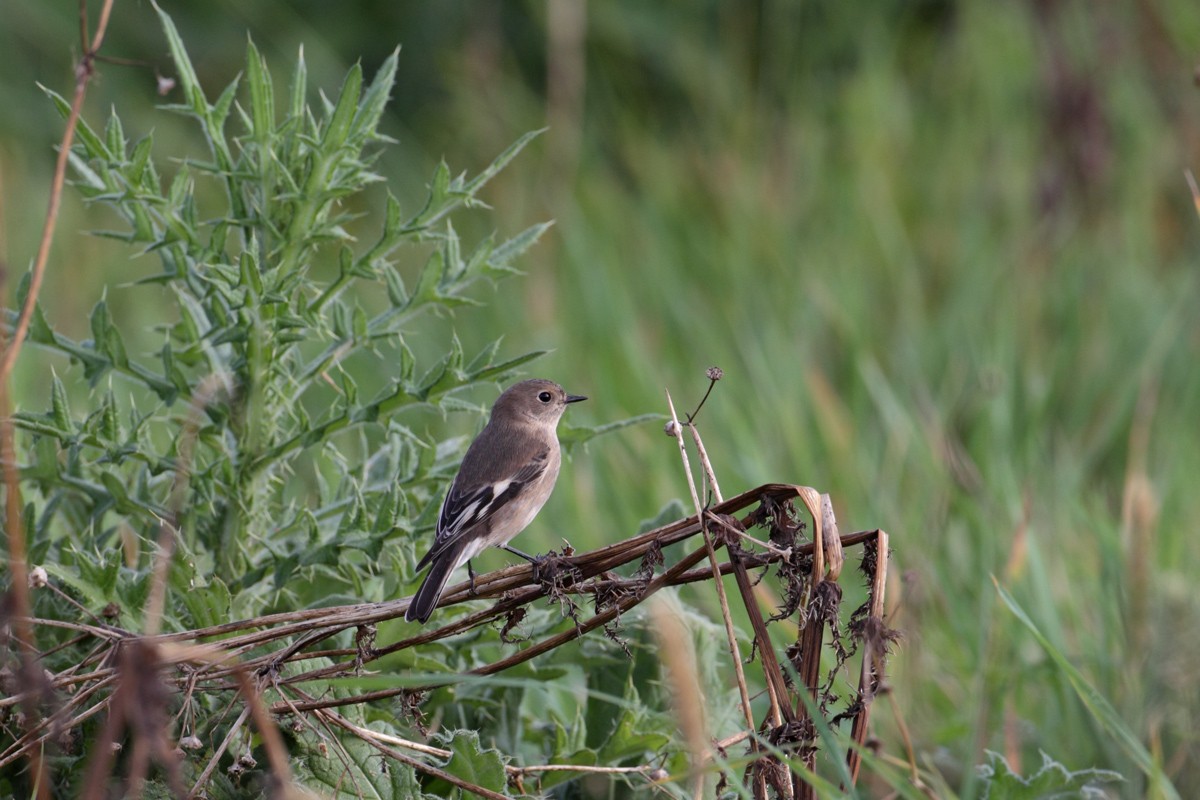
<point x="254" y="428"/>
<point x="269" y="451"/>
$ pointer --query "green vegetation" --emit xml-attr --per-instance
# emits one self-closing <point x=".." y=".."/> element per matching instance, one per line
<point x="943" y="251"/>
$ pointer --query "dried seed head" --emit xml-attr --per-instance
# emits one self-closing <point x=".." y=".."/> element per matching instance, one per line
<point x="38" y="578"/>
<point x="715" y="373"/>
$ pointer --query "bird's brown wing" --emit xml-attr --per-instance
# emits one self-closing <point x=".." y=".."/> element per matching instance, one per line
<point x="468" y="507"/>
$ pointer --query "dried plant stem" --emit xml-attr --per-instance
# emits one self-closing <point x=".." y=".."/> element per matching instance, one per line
<point x="873" y="652"/>
<point x="28" y="673"/>
<point x="512" y="769"/>
<point x="775" y="683"/>
<point x="703" y="454"/>
<point x="770" y="548"/>
<point x="83" y="75"/>
<point x="264" y="723"/>
<point x="35" y="733"/>
<point x="29" y="676"/>
<point x="167" y="530"/>
<point x="726" y="616"/>
<point x="220" y="751"/>
<point x="512" y="587"/>
<point x="528" y="653"/>
<point x="404" y="758"/>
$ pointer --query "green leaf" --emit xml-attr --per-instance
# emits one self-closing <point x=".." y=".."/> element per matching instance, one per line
<point x="208" y="605"/>
<point x="361" y="774"/>
<point x="632" y="738"/>
<point x="375" y="99"/>
<point x="100" y="324"/>
<point x="93" y="145"/>
<point x="479" y="257"/>
<point x="262" y="96"/>
<point x="137" y="169"/>
<point x="506" y="252"/>
<point x="501" y="161"/>
<point x="452" y="254"/>
<point x="568" y="434"/>
<point x="483" y="359"/>
<point x="220" y="112"/>
<point x="472" y="763"/>
<point x="673" y="509"/>
<point x="249" y="275"/>
<point x="115" y="137"/>
<point x="1052" y="782"/>
<point x="397" y="294"/>
<point x="504" y="368"/>
<point x="439" y="191"/>
<point x="338" y="128"/>
<point x="431" y="278"/>
<point x="39" y="328"/>
<point x="97" y="574"/>
<point x="360" y="324"/>
<point x="115" y="486"/>
<point x="110" y="427"/>
<point x="188" y="81"/>
<point x="299" y="88"/>
<point x="60" y="412"/>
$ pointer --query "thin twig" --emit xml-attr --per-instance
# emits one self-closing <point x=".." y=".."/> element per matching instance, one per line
<point x="202" y="781"/>
<point x="734" y="651"/>
<point x="326" y="734"/>
<point x="770" y="548"/>
<point x="415" y="763"/>
<point x="9" y="350"/>
<point x="714" y="374"/>
<point x="205" y="391"/>
<point x="83" y="75"/>
<point x="777" y="697"/>
<point x="874" y="647"/>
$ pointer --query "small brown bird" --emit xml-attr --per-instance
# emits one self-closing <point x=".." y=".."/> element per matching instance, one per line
<point x="504" y="480"/>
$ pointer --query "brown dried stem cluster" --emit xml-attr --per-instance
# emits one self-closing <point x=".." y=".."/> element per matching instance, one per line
<point x="132" y="676"/>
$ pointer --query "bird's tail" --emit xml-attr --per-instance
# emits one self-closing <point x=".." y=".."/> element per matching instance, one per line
<point x="426" y="599"/>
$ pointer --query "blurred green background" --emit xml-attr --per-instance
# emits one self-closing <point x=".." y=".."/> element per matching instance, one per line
<point x="944" y="251"/>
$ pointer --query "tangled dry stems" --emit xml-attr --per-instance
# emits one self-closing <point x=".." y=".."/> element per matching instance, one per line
<point x="130" y="675"/>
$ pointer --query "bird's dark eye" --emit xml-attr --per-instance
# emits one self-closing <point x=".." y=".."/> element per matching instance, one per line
<point x="545" y="397"/>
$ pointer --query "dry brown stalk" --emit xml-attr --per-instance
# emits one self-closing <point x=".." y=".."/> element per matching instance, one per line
<point x="776" y="687"/>
<point x="874" y="645"/>
<point x="17" y="605"/>
<point x="718" y="584"/>
<point x="404" y="758"/>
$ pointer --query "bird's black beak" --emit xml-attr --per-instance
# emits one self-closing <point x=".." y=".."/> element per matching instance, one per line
<point x="575" y="398"/>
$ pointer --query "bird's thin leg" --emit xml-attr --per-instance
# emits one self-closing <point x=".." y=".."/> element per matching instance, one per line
<point x="471" y="576"/>
<point x="526" y="556"/>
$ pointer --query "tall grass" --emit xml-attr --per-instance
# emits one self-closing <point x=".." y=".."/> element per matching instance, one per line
<point x="946" y="257"/>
